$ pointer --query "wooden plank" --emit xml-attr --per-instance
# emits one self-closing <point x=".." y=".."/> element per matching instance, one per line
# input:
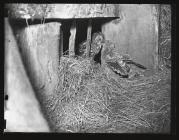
<point x="72" y="39"/>
<point x="136" y="33"/>
<point x="62" y="11"/>
<point x="61" y="42"/>
<point x="156" y="10"/>
<point x="22" y="103"/>
<point x="89" y="37"/>
<point x="39" y="45"/>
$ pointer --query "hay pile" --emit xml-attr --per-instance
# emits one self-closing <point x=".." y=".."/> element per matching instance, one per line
<point x="87" y="100"/>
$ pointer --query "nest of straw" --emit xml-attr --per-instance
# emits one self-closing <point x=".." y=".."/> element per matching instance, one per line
<point x="87" y="100"/>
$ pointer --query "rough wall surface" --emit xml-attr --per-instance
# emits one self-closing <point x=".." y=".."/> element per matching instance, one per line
<point x="63" y="11"/>
<point x="136" y="34"/>
<point x="22" y="112"/>
<point x="165" y="35"/>
<point x="39" y="45"/>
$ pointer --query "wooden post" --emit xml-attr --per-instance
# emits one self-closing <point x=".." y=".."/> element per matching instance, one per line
<point x="72" y="39"/>
<point x="157" y="32"/>
<point x="61" y="42"/>
<point x="89" y="37"/>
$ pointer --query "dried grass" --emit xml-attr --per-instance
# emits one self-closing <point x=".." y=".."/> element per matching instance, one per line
<point x="87" y="100"/>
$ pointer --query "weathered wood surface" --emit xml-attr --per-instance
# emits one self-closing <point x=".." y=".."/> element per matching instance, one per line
<point x="136" y="33"/>
<point x="62" y="11"/>
<point x="39" y="45"/>
<point x="165" y="35"/>
<point x="89" y="37"/>
<point x="43" y="44"/>
<point x="61" y="43"/>
<point x="23" y="112"/>
<point x="72" y="39"/>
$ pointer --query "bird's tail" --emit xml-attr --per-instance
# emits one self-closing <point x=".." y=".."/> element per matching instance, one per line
<point x="134" y="63"/>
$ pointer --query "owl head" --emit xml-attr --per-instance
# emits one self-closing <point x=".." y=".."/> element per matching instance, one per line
<point x="97" y="41"/>
<point x="98" y="38"/>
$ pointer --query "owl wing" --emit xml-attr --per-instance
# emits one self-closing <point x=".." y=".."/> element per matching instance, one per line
<point x="117" y="68"/>
<point x="135" y="63"/>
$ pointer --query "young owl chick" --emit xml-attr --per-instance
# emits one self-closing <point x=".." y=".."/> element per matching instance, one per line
<point x="95" y="45"/>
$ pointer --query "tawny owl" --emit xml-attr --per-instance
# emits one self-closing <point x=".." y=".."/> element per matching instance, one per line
<point x="95" y="45"/>
<point x="117" y="63"/>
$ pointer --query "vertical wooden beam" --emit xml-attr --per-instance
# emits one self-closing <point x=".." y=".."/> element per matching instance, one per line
<point x="89" y="37"/>
<point x="61" y="42"/>
<point x="72" y="39"/>
<point x="157" y="32"/>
